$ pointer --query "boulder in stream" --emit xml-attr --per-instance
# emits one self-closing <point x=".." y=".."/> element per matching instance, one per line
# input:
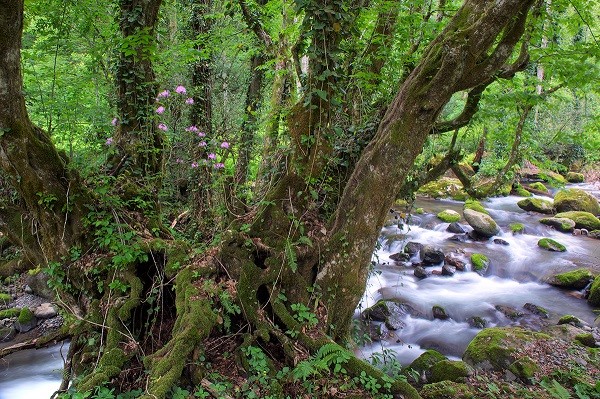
<point x="26" y="321"/>
<point x="574" y="177"/>
<point x="551" y="245"/>
<point x="594" y="297"/>
<point x="420" y="272"/>
<point x="439" y="312"/>
<point x="481" y="223"/>
<point x="431" y="255"/>
<point x="583" y="220"/>
<point x="450" y="370"/>
<point x="477" y="322"/>
<point x="509" y="311"/>
<point x="412" y="248"/>
<point x="574" y="199"/>
<point x="448" y="270"/>
<point x="536" y="205"/>
<point x="387" y="311"/>
<point x="455" y="228"/>
<point x="574" y="279"/>
<point x="561" y="224"/>
<point x="400" y="257"/>
<point x="454" y="261"/>
<point x="536" y="310"/>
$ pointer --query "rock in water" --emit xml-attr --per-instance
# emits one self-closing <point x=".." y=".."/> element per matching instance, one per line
<point x="439" y="313"/>
<point x="551" y="245"/>
<point x="536" y="205"/>
<point x="483" y="224"/>
<point x="561" y="224"/>
<point x="455" y="228"/>
<point x="431" y="255"/>
<point x="574" y="199"/>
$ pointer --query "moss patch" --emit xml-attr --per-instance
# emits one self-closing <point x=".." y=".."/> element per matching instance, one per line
<point x="475" y="205"/>
<point x="5" y="298"/>
<point x="524" y="368"/>
<point x="574" y="177"/>
<point x="552" y="178"/>
<point x="480" y="262"/>
<point x="423" y="363"/>
<point x="551" y="245"/>
<point x="449" y="216"/>
<point x="495" y="348"/>
<point x="561" y="224"/>
<point x="586" y="339"/>
<point x="521" y="192"/>
<point x="516" y="228"/>
<point x="443" y="188"/>
<point x="446" y="390"/>
<point x="25" y="316"/>
<point x="576" y="279"/>
<point x="569" y="319"/>
<point x="538" y="186"/>
<point x="583" y="220"/>
<point x="450" y="370"/>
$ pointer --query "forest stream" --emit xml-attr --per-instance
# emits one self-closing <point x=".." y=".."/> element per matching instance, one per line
<point x="515" y="277"/>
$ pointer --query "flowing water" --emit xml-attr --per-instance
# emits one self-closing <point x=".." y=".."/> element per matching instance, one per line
<point x="32" y="374"/>
<point x="516" y="277"/>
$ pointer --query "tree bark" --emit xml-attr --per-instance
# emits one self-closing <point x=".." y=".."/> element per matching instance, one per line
<point x="47" y="219"/>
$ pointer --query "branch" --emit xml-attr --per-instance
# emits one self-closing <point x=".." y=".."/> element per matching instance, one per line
<point x="253" y="22"/>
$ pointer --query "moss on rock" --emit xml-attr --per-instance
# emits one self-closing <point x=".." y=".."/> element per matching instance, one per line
<point x="495" y="348"/>
<point x="5" y="298"/>
<point x="449" y="216"/>
<point x="575" y="279"/>
<point x="480" y="262"/>
<point x="483" y="224"/>
<point x="25" y="316"/>
<point x="561" y="224"/>
<point x="521" y="192"/>
<point x="475" y="206"/>
<point x="586" y="339"/>
<point x="583" y="220"/>
<point x="552" y="178"/>
<point x="516" y="228"/>
<point x="524" y="368"/>
<point x="574" y="199"/>
<point x="443" y="188"/>
<point x="446" y="390"/>
<point x="574" y="177"/>
<point x="594" y="298"/>
<point x="428" y="359"/>
<point x="551" y="245"/>
<point x="569" y="319"/>
<point x="538" y="186"/>
<point x="450" y="370"/>
<point x="536" y="205"/>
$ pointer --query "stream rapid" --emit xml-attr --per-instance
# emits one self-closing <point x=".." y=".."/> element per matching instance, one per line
<point x="516" y="276"/>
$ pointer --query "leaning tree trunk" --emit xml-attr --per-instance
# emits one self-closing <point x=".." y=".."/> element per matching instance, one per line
<point x="471" y="49"/>
<point x="46" y="219"/>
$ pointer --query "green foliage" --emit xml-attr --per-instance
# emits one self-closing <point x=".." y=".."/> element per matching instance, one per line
<point x="304" y="315"/>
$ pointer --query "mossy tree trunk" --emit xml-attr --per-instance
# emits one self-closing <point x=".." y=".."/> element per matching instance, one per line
<point x="46" y="216"/>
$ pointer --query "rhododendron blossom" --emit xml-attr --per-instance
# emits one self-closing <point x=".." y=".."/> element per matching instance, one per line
<point x="180" y="89"/>
<point x="163" y="127"/>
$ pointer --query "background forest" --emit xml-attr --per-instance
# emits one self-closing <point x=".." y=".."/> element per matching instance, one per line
<point x="223" y="169"/>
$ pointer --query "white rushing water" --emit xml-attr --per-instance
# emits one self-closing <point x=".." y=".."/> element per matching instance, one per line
<point x="32" y="374"/>
<point x="516" y="277"/>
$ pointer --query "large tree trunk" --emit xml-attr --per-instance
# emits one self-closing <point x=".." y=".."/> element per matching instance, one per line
<point x="471" y="49"/>
<point x="46" y="219"/>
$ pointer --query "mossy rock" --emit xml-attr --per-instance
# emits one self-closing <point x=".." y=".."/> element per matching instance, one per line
<point x="553" y="178"/>
<point x="538" y="186"/>
<point x="426" y="361"/>
<point x="594" y="298"/>
<point x="443" y="188"/>
<point x="475" y="206"/>
<point x="420" y="211"/>
<point x="449" y="216"/>
<point x="574" y="199"/>
<point x="586" y="339"/>
<point x="524" y="368"/>
<point x="446" y="390"/>
<point x="521" y="192"/>
<point x="594" y="234"/>
<point x="536" y="205"/>
<point x="480" y="263"/>
<point x="482" y="223"/>
<point x="5" y="298"/>
<point x="574" y="177"/>
<point x="570" y="319"/>
<point x="496" y="348"/>
<point x="551" y="245"/>
<point x="574" y="279"/>
<point x="450" y="370"/>
<point x="517" y="228"/>
<point x="561" y="224"/>
<point x="26" y="320"/>
<point x="583" y="220"/>
<point x="9" y="313"/>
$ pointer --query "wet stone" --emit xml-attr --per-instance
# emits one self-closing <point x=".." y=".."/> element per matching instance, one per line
<point x="420" y="272"/>
<point x="448" y="270"/>
<point x="456" y="228"/>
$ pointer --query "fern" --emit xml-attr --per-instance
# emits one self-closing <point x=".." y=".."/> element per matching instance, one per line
<point x="290" y="255"/>
<point x="555" y="389"/>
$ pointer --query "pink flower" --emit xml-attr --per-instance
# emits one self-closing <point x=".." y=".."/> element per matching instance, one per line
<point x="160" y="110"/>
<point x="194" y="164"/>
<point x="189" y="101"/>
<point x="163" y="127"/>
<point x="201" y="134"/>
<point x="165" y="93"/>
<point x="219" y="165"/>
<point x="180" y="89"/>
<point x="179" y="160"/>
<point x="212" y="156"/>
<point x="109" y="141"/>
<point x="202" y="144"/>
<point x="224" y="144"/>
<point x="114" y="122"/>
<point x="192" y="128"/>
